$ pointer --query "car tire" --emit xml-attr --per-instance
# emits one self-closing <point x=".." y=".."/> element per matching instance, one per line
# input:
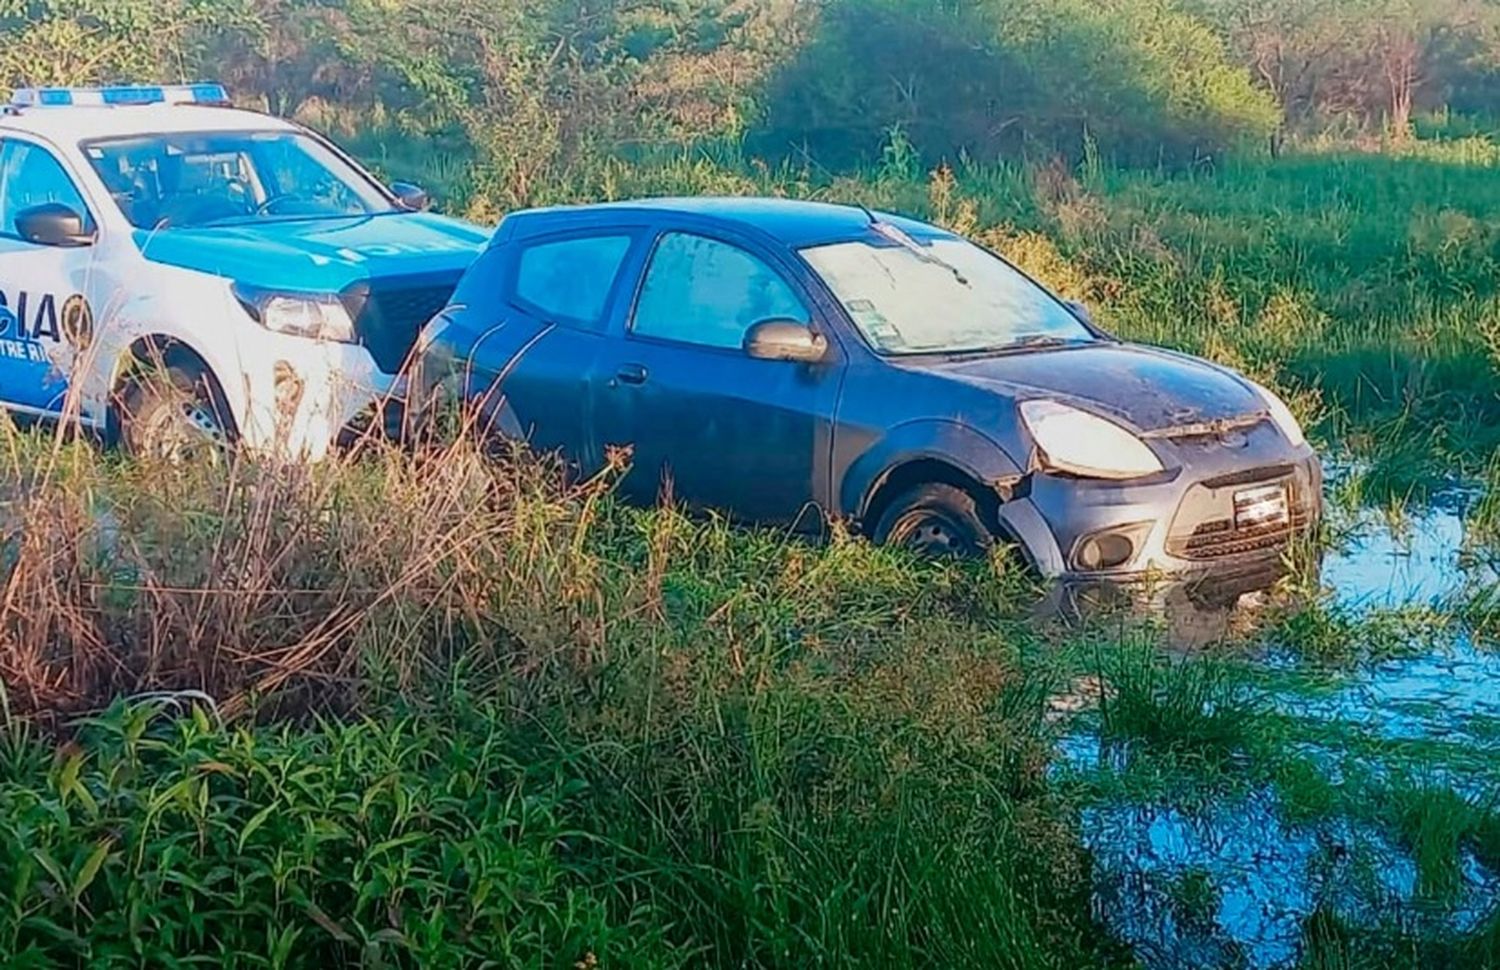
<point x="173" y="414"/>
<point x="935" y="520"/>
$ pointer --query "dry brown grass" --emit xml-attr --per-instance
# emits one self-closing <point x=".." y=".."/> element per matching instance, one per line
<point x="250" y="578"/>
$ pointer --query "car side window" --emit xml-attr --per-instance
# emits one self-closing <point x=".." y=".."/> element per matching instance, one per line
<point x="31" y="176"/>
<point x="569" y="280"/>
<point x="702" y="291"/>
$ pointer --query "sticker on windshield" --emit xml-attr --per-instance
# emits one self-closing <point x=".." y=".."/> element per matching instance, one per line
<point x="875" y="325"/>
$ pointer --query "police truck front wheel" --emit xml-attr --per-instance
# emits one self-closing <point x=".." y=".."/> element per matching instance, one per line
<point x="173" y="414"/>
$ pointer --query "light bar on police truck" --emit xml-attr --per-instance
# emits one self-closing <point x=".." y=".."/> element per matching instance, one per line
<point x="120" y="95"/>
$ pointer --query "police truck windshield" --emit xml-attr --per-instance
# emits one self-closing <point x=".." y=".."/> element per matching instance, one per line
<point x="197" y="179"/>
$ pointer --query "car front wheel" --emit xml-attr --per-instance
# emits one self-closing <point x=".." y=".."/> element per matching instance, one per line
<point x="173" y="414"/>
<point x="935" y="520"/>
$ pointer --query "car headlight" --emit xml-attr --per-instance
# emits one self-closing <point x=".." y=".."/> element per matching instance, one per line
<point x="1086" y="445"/>
<point x="432" y="359"/>
<point x="1281" y="415"/>
<point x="321" y="316"/>
<point x="432" y="332"/>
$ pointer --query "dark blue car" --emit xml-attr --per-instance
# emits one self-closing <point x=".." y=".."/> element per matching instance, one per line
<point x="789" y="361"/>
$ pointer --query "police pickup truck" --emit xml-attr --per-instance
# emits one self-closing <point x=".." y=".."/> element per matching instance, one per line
<point x="176" y="273"/>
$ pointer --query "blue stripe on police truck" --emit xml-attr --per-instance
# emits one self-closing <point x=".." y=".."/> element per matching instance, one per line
<point x="30" y="330"/>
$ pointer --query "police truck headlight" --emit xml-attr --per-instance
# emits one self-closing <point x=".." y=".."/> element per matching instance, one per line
<point x="317" y="315"/>
<point x="1079" y="443"/>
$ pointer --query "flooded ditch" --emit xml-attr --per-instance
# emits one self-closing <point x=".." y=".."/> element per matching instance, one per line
<point x="1233" y="878"/>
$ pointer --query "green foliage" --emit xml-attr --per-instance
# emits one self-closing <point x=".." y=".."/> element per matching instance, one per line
<point x="539" y="92"/>
<point x="1198" y="709"/>
<point x="79" y="41"/>
<point x="1364" y="65"/>
<point x="367" y="843"/>
<point x="1146" y="81"/>
<point x="657" y="741"/>
<point x="1437" y="824"/>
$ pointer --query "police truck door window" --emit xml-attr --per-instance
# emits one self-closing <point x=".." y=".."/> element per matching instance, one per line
<point x="44" y="312"/>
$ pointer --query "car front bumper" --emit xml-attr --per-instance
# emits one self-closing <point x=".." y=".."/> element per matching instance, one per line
<point x="1181" y="524"/>
<point x="302" y="395"/>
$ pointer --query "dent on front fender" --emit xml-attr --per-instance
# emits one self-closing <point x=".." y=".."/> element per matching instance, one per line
<point x="967" y="450"/>
<point x="1025" y="526"/>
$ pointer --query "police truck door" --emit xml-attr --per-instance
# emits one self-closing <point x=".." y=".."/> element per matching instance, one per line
<point x="45" y="316"/>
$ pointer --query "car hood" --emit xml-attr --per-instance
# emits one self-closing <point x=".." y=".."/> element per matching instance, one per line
<point x="320" y="255"/>
<point x="1143" y="387"/>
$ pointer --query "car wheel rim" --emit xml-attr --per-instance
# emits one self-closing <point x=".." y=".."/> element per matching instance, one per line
<point x="931" y="533"/>
<point x="188" y="433"/>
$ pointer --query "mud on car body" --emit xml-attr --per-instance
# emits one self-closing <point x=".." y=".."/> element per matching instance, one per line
<point x="780" y="359"/>
<point x="175" y="271"/>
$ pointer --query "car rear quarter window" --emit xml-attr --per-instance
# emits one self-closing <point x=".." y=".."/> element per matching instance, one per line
<point x="569" y="280"/>
<point x="31" y="176"/>
<point x="703" y="291"/>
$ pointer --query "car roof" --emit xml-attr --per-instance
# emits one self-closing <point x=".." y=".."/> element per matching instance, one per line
<point x="794" y="222"/>
<point x="76" y="123"/>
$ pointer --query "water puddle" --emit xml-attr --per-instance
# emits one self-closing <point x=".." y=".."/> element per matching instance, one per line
<point x="1233" y="882"/>
<point x="1450" y="696"/>
<point x="1234" y="885"/>
<point x="1420" y="561"/>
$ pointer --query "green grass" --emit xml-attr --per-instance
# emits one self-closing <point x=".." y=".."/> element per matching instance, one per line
<point x="1185" y="708"/>
<point x="559" y="729"/>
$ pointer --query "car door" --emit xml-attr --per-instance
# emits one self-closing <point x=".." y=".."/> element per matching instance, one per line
<point x="46" y="315"/>
<point x="707" y="422"/>
<point x="560" y="290"/>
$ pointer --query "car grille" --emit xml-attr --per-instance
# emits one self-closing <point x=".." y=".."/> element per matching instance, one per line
<point x="1206" y="527"/>
<point x="1219" y="539"/>
<point x="389" y="314"/>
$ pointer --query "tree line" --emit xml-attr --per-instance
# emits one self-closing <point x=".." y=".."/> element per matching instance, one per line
<point x="533" y="86"/>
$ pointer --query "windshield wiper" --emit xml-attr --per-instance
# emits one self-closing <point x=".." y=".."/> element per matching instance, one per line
<point x="1041" y="340"/>
<point x="900" y="238"/>
<point x="1036" y="341"/>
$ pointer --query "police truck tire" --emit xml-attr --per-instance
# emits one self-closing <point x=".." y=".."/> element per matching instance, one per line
<point x="174" y="414"/>
<point x="935" y="520"/>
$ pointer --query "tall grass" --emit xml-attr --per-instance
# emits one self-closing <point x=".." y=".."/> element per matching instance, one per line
<point x="534" y="727"/>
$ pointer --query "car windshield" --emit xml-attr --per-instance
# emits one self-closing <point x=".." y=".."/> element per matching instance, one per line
<point x="941" y="295"/>
<point x="198" y="179"/>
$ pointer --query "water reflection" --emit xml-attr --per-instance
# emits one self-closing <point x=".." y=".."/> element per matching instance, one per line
<point x="1418" y="562"/>
<point x="1233" y="882"/>
<point x="1189" y="615"/>
<point x="1422" y="561"/>
<point x="1452" y="694"/>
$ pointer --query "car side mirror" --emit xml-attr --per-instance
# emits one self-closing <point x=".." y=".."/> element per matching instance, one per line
<point x="785" y="340"/>
<point x="411" y="197"/>
<point x="1080" y="310"/>
<point x="53" y="224"/>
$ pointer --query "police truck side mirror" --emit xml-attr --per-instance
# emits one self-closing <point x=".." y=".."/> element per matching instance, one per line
<point x="411" y="197"/>
<point x="53" y="224"/>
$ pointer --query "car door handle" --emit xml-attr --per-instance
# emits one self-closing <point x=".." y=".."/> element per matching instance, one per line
<point x="631" y="374"/>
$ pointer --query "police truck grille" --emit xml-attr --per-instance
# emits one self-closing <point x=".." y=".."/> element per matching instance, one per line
<point x="388" y="315"/>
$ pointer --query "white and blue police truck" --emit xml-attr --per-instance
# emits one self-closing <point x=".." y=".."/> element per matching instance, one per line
<point x="175" y="271"/>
